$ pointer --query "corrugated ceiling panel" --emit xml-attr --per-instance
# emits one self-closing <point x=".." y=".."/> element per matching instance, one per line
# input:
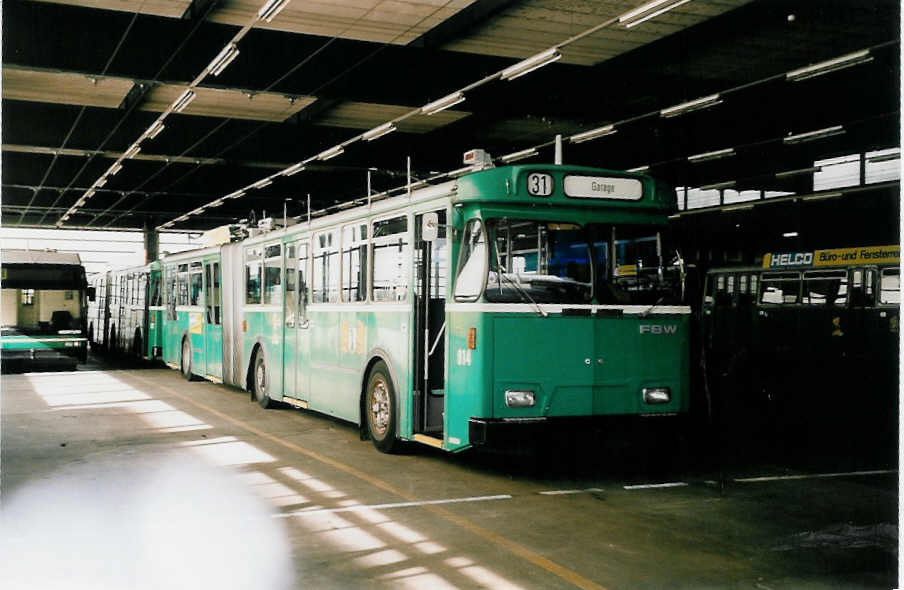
<point x="384" y="21"/>
<point x="172" y="8"/>
<point x="534" y="25"/>
<point x="235" y="104"/>
<point x="63" y="88"/>
<point x="366" y="115"/>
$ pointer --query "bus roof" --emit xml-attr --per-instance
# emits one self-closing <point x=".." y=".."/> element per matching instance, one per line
<point x="17" y="256"/>
<point x="574" y="186"/>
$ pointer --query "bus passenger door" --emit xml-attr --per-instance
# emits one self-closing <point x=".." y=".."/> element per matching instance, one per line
<point x="213" y="320"/>
<point x="295" y="341"/>
<point x="430" y="313"/>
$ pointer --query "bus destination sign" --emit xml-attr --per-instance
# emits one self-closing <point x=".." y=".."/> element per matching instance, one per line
<point x="601" y="187"/>
<point x="835" y="257"/>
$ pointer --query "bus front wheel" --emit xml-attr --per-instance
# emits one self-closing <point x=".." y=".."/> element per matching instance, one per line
<point x="186" y="359"/>
<point x="259" y="381"/>
<point x="380" y="409"/>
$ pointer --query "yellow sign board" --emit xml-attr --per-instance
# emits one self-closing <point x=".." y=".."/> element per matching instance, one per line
<point x="194" y="323"/>
<point x="870" y="255"/>
<point x="835" y="257"/>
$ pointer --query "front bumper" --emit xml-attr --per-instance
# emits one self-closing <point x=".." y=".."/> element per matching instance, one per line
<point x="496" y="432"/>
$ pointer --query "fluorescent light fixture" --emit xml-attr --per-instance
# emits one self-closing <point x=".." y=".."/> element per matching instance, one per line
<point x="790" y="234"/>
<point x="593" y="134"/>
<point x="532" y="63"/>
<point x="711" y="155"/>
<point x="379" y="131"/>
<point x="515" y="156"/>
<point x="799" y="172"/>
<point x="832" y="65"/>
<point x="331" y="153"/>
<point x="639" y="169"/>
<point x="813" y="135"/>
<point x="65" y="217"/>
<point x="101" y="182"/>
<point x="223" y="59"/>
<point x="235" y="195"/>
<point x="154" y="130"/>
<point x="294" y="169"/>
<point x="884" y="158"/>
<point x="719" y="185"/>
<point x="418" y="184"/>
<point x="737" y="208"/>
<point x="184" y="100"/>
<point x="88" y="194"/>
<point x="692" y="105"/>
<point x="261" y="183"/>
<point x="114" y="169"/>
<point x="217" y="203"/>
<point x="271" y="9"/>
<point x="443" y="103"/>
<point x="132" y="151"/>
<point x="648" y="11"/>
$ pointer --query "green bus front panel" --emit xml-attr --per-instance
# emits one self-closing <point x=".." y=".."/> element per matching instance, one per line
<point x="576" y="366"/>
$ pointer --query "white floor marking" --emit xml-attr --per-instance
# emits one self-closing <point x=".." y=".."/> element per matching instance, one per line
<point x="393" y="505"/>
<point x="814" y="475"/>
<point x="671" y="484"/>
<point x="565" y="492"/>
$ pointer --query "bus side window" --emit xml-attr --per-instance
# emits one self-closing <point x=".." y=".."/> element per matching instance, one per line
<point x="391" y="259"/>
<point x="780" y="289"/>
<point x="291" y="265"/>
<point x="272" y="274"/>
<point x="253" y="275"/>
<point x="326" y="267"/>
<point x="825" y="287"/>
<point x="890" y="293"/>
<point x="195" y="283"/>
<point x="302" y="283"/>
<point x="862" y="280"/>
<point x="354" y="262"/>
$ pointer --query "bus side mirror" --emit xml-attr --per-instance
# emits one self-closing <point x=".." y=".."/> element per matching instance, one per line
<point x="92" y="293"/>
<point x="429" y="227"/>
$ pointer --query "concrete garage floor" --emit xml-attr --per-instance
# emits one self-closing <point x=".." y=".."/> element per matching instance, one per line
<point x="137" y="479"/>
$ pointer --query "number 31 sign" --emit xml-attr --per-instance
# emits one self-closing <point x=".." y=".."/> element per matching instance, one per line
<point x="539" y="185"/>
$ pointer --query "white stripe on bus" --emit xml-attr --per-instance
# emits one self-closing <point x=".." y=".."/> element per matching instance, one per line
<point x="558" y="308"/>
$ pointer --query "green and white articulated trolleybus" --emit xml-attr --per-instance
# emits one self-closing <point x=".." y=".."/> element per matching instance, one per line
<point x="498" y="304"/>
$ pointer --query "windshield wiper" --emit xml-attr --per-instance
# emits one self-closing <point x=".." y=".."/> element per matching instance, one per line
<point x="524" y="294"/>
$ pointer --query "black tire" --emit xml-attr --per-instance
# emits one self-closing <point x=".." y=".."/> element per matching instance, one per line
<point x="185" y="360"/>
<point x="260" y="380"/>
<point x="380" y="410"/>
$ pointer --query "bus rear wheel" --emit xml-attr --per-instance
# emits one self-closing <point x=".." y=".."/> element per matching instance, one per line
<point x="259" y="381"/>
<point x="186" y="359"/>
<point x="380" y="409"/>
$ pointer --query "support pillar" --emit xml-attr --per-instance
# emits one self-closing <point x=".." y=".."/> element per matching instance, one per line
<point x="151" y="242"/>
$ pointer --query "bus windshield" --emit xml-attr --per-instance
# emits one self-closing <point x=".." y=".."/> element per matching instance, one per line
<point x="538" y="261"/>
<point x="642" y="268"/>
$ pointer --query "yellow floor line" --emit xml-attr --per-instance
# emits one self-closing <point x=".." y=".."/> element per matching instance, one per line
<point x="520" y="550"/>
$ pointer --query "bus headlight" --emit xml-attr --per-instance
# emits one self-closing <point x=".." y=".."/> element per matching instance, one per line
<point x="520" y="398"/>
<point x="656" y="395"/>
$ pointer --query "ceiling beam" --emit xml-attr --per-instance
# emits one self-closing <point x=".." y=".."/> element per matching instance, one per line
<point x="114" y="155"/>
